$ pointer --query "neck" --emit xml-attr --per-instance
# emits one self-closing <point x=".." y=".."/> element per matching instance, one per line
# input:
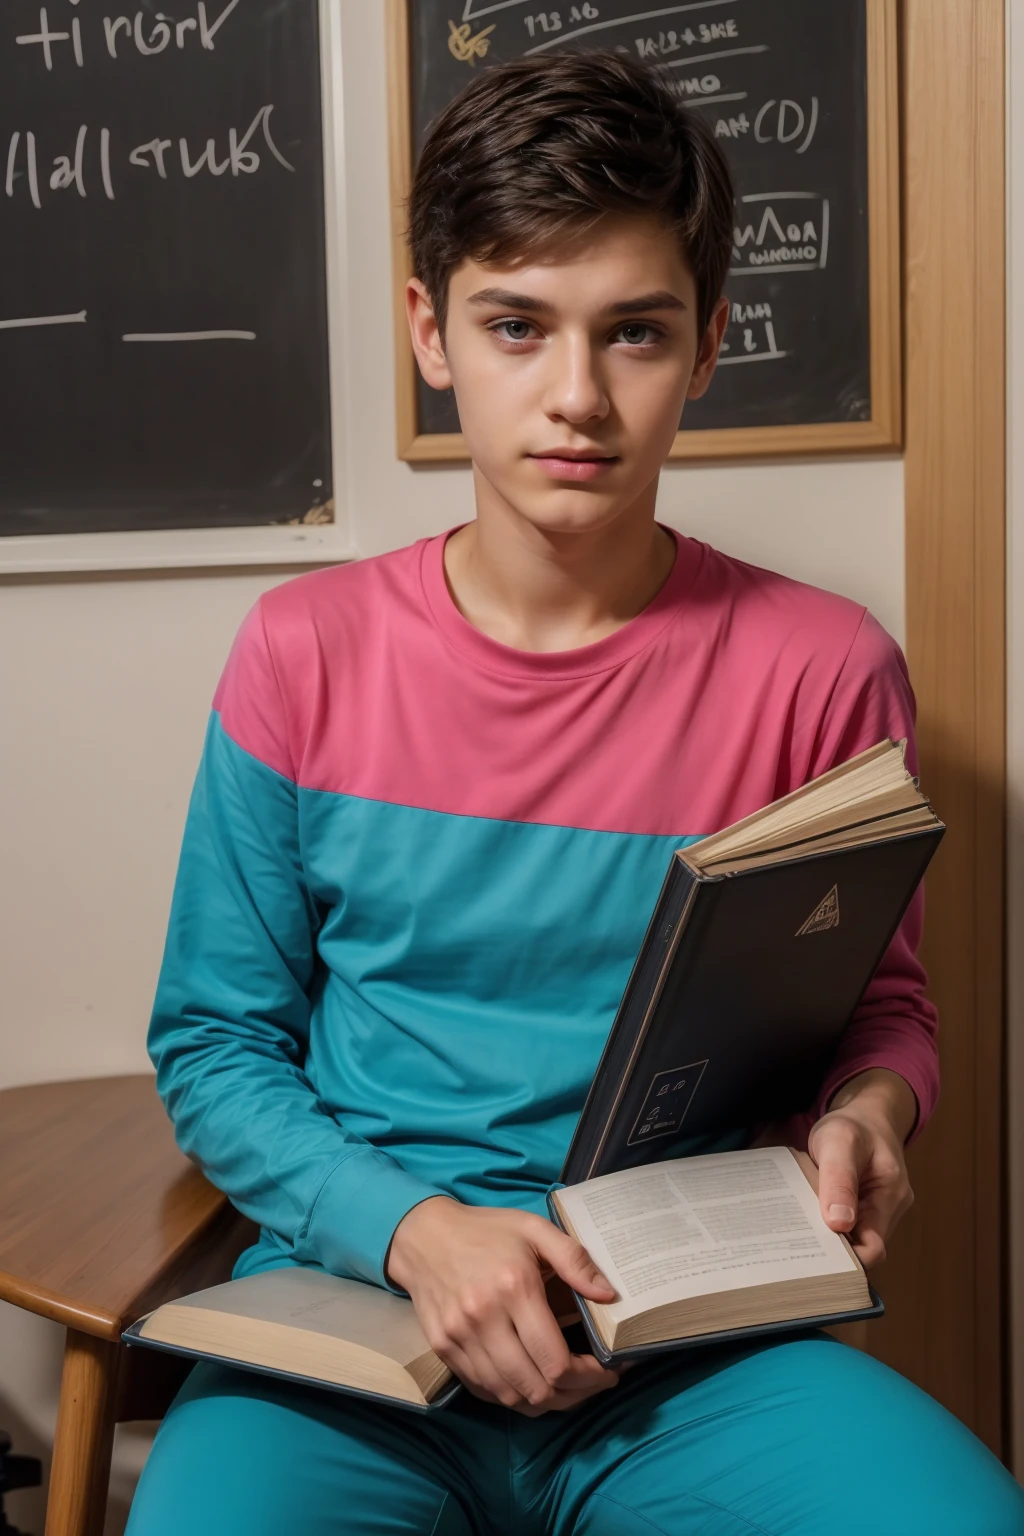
<point x="538" y="590"/>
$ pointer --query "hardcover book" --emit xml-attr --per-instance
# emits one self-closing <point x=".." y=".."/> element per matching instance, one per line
<point x="762" y="942"/>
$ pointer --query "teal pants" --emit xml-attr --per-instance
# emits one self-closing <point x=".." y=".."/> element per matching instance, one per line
<point x="801" y="1438"/>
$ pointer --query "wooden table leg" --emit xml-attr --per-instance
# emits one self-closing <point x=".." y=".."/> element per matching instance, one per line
<point x="80" y="1471"/>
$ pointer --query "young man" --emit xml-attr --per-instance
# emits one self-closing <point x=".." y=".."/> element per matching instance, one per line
<point x="436" y="801"/>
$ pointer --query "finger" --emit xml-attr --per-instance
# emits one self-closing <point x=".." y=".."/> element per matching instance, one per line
<point x="541" y="1337"/>
<point x="512" y="1360"/>
<point x="879" y="1214"/>
<point x="477" y="1377"/>
<point x="838" y="1159"/>
<point x="459" y="1343"/>
<point x="882" y="1205"/>
<point x="891" y="1196"/>
<point x="570" y="1260"/>
<point x="570" y="1396"/>
<point x="868" y="1245"/>
<point x="498" y="1371"/>
<point x="532" y="1329"/>
<point x="585" y="1373"/>
<point x="594" y="1375"/>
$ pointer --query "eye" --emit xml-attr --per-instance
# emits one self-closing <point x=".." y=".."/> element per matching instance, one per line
<point x="511" y="330"/>
<point x="648" y="334"/>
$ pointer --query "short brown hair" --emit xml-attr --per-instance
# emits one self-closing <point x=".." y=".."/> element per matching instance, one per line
<point x="540" y="149"/>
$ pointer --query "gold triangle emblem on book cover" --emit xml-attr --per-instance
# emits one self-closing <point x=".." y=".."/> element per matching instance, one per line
<point x="824" y="916"/>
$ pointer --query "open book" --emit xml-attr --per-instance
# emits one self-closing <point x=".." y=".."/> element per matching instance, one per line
<point x="305" y="1325"/>
<point x="695" y="1246"/>
<point x="703" y="1246"/>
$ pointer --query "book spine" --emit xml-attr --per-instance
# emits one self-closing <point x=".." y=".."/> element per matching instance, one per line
<point x="661" y="940"/>
<point x="702" y="900"/>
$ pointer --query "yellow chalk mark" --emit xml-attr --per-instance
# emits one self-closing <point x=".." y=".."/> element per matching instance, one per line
<point x="464" y="46"/>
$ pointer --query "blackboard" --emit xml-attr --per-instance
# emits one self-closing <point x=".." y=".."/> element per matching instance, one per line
<point x="163" y="295"/>
<point x="784" y="84"/>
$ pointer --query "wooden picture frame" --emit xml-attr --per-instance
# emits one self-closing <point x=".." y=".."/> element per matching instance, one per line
<point x="884" y="428"/>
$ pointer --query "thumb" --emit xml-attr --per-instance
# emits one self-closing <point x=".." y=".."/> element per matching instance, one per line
<point x="572" y="1262"/>
<point x="838" y="1184"/>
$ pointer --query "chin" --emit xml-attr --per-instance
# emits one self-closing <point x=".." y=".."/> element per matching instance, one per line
<point x="574" y="513"/>
<point x="571" y="509"/>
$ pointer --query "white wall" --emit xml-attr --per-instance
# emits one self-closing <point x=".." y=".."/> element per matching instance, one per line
<point x="105" y="686"/>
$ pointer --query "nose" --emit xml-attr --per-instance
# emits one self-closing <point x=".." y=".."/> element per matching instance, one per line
<point x="575" y="390"/>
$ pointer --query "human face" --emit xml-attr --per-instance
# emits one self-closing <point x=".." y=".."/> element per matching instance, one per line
<point x="571" y="371"/>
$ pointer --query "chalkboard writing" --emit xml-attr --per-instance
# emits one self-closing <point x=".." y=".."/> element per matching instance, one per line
<point x="163" y="325"/>
<point x="783" y="85"/>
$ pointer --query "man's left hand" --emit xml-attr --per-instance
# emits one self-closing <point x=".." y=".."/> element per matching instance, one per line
<point x="857" y="1147"/>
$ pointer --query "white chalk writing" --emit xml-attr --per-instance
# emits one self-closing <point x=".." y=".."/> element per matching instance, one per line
<point x="70" y="168"/>
<point x="143" y="34"/>
<point x="783" y="230"/>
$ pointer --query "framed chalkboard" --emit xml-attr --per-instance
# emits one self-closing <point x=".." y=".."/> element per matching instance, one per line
<point x="803" y="99"/>
<point x="165" y="184"/>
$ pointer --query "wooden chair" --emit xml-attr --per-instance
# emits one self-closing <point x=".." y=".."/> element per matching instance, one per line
<point x="101" y="1219"/>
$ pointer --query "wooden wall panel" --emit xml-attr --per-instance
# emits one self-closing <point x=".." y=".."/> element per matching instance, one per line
<point x="944" y="1283"/>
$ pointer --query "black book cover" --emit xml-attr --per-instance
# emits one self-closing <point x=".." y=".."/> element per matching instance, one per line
<point x="739" y="997"/>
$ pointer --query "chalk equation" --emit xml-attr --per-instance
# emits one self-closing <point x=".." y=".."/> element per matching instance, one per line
<point x="710" y="54"/>
<point x="784" y="87"/>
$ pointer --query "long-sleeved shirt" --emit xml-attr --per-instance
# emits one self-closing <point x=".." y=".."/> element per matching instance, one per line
<point x="418" y="865"/>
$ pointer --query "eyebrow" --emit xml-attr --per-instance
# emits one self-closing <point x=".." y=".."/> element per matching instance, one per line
<point x="661" y="298"/>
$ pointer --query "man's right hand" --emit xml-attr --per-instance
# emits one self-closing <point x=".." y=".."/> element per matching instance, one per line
<point x="474" y="1274"/>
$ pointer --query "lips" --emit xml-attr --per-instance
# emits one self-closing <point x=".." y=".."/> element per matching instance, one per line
<point x="569" y="464"/>
<point x="578" y="455"/>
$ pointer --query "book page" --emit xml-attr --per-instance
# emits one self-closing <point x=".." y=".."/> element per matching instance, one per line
<point x="701" y="1225"/>
<point x="849" y="783"/>
<point x="318" y="1303"/>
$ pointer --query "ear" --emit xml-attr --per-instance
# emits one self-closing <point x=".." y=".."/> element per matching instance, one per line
<point x="426" y="338"/>
<point x="707" y="353"/>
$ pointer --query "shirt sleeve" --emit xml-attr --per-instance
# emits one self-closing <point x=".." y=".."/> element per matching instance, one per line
<point x="895" y="1024"/>
<point x="230" y="1026"/>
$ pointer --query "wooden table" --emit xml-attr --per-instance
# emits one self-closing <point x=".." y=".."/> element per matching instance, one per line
<point x="102" y="1217"/>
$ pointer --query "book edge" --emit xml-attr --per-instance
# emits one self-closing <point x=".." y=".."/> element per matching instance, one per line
<point x="133" y="1339"/>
